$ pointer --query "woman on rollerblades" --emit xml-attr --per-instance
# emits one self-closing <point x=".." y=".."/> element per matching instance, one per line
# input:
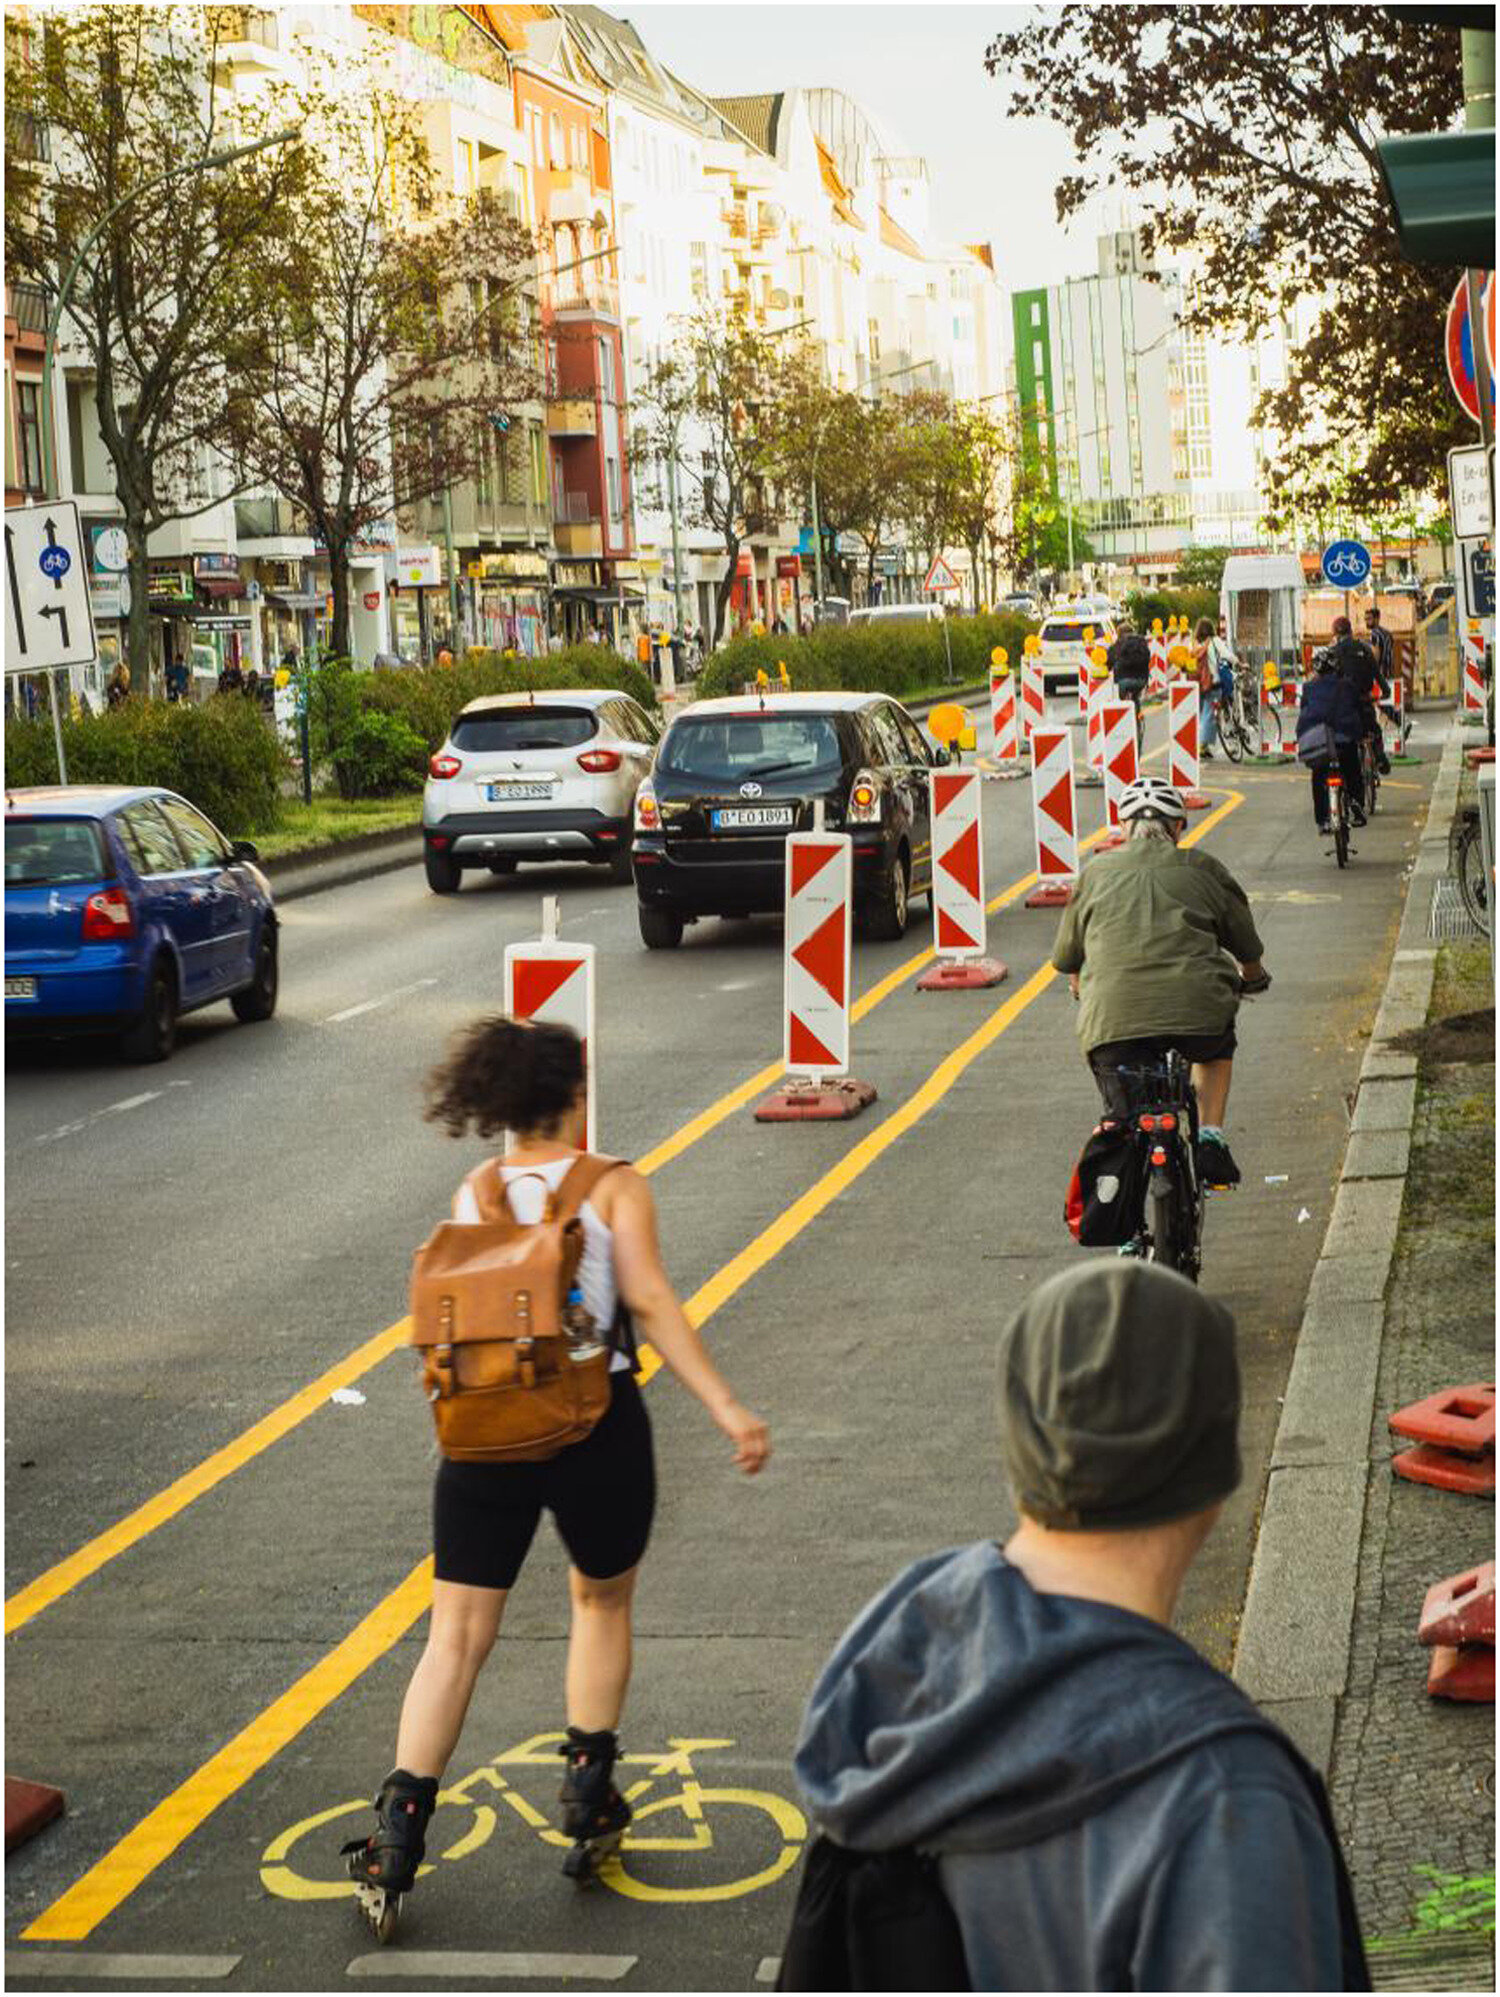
<point x="529" y="1079"/>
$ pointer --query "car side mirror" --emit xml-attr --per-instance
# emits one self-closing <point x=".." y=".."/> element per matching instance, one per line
<point x="940" y="758"/>
<point x="245" y="849"/>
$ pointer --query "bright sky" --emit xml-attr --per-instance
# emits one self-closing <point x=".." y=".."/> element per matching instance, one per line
<point x="920" y="71"/>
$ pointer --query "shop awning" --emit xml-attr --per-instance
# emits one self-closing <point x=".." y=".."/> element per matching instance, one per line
<point x="296" y="599"/>
<point x="604" y="597"/>
<point x="219" y="586"/>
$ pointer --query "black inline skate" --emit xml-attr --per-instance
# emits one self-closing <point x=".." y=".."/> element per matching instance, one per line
<point x="384" y="1866"/>
<point x="594" y="1812"/>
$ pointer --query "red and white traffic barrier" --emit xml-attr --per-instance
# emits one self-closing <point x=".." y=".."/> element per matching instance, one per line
<point x="1033" y="694"/>
<point x="1003" y="721"/>
<point x="1100" y="692"/>
<point x="1182" y="743"/>
<point x="1055" y="817"/>
<point x="1395" y="707"/>
<point x="1120" y="764"/>
<point x="1160" y="670"/>
<point x="554" y="981"/>
<point x="1291" y="709"/>
<point x="815" y="1028"/>
<point x="1474" y="669"/>
<point x="958" y="887"/>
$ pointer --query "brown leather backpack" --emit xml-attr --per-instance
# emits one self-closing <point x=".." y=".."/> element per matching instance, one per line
<point x="487" y="1314"/>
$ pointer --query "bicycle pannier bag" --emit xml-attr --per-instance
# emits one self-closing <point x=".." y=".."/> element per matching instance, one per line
<point x="1317" y="747"/>
<point x="1103" y="1207"/>
<point x="508" y="1378"/>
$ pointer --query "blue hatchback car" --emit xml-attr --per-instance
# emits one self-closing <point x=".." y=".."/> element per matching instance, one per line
<point x="125" y="908"/>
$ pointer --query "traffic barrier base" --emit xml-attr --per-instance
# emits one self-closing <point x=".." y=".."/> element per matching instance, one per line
<point x="1459" y="1418"/>
<point x="1194" y="800"/>
<point x="29" y="1807"/>
<point x="806" y="1101"/>
<point x="963" y="974"/>
<point x="1446" y="1470"/>
<point x="1463" y="1671"/>
<point x="1460" y="1609"/>
<point x="1050" y="894"/>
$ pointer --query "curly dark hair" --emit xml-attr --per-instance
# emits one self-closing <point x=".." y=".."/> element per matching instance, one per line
<point x="506" y="1074"/>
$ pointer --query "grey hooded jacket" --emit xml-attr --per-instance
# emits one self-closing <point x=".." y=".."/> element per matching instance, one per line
<point x="1111" y="1812"/>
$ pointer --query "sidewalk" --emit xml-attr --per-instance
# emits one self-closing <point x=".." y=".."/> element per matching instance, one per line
<point x="1401" y="1304"/>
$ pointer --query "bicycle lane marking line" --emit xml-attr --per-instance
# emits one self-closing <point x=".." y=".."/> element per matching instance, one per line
<point x="65" y="1575"/>
<point x="113" y="1878"/>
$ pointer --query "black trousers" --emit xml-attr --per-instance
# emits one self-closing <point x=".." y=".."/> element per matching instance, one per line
<point x="1354" y="783"/>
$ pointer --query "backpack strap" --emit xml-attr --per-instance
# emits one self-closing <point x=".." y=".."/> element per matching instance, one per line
<point x="582" y="1176"/>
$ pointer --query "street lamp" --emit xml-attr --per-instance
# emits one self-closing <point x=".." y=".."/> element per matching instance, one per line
<point x="54" y="324"/>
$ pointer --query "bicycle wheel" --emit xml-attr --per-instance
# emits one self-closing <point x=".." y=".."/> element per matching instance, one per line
<point x="1340" y="831"/>
<point x="1231" y="732"/>
<point x="1270" y="723"/>
<point x="1371" y="776"/>
<point x="1472" y="883"/>
<point x="1161" y="1219"/>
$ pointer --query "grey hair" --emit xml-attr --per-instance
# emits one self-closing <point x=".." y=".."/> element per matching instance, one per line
<point x="1149" y="826"/>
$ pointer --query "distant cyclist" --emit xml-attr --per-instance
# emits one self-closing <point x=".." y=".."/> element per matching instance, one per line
<point x="1157" y="944"/>
<point x="1383" y="645"/>
<point x="1330" y="699"/>
<point x="1129" y="663"/>
<point x="1356" y="662"/>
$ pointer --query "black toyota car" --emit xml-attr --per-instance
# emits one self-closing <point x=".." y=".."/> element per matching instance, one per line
<point x="733" y="777"/>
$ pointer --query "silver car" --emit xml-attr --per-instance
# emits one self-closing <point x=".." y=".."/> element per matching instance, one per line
<point x="550" y="776"/>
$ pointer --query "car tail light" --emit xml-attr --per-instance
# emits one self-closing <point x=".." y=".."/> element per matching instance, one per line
<point x="1168" y="1123"/>
<point x="1148" y="1123"/>
<point x="444" y="765"/>
<point x="647" y="816"/>
<point x="107" y="917"/>
<point x="864" y="800"/>
<point x="597" y="761"/>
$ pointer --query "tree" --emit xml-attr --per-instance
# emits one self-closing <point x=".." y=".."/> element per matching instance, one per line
<point x="845" y="444"/>
<point x="396" y="332"/>
<point x="983" y="457"/>
<point x="128" y="95"/>
<point x="928" y="469"/>
<point x="1202" y="568"/>
<point x="1250" y="142"/>
<point x="723" y="383"/>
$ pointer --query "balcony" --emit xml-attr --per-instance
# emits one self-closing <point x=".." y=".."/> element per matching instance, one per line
<point x="572" y="416"/>
<point x="28" y="307"/>
<point x="250" y="39"/>
<point x="584" y="293"/>
<point x="579" y="538"/>
<point x="27" y="136"/>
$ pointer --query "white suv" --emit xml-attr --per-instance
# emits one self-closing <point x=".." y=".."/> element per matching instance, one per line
<point x="550" y="776"/>
<point x="1063" y="656"/>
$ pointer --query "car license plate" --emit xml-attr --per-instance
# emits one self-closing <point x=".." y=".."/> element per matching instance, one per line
<point x="742" y="817"/>
<point x="510" y="792"/>
<point x="20" y="988"/>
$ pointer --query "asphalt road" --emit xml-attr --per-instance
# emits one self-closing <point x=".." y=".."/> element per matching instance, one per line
<point x="192" y="1248"/>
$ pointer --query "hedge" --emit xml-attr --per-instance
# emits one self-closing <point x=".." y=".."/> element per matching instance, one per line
<point x="221" y="756"/>
<point x="887" y="656"/>
<point x="428" y="699"/>
<point x="1143" y="605"/>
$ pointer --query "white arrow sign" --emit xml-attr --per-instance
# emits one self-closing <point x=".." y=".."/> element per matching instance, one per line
<point x="49" y="621"/>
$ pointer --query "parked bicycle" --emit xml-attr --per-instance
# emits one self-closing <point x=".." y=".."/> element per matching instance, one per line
<point x="1241" y="721"/>
<point x="1466" y="860"/>
<point x="1369" y="770"/>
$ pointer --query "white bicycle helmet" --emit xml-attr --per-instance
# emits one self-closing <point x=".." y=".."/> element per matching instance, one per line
<point x="1152" y="797"/>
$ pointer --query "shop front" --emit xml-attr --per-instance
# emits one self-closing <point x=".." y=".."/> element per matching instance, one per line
<point x="511" y="592"/>
<point x="417" y="601"/>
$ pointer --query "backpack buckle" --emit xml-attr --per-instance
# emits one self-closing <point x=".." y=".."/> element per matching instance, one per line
<point x="526" y="1359"/>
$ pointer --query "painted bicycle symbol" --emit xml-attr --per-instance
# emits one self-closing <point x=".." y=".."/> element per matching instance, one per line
<point x="683" y="1820"/>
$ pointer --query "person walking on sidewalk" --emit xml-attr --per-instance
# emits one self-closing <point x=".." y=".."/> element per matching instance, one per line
<point x="1046" y="1782"/>
<point x="528" y="1078"/>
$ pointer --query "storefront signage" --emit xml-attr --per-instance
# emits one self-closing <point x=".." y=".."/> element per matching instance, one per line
<point x="371" y="599"/>
<point x="524" y="567"/>
<point x="574" y="575"/>
<point x="789" y="565"/>
<point x="109" y="549"/>
<point x="110" y="596"/>
<point x="417" y="568"/>
<point x="216" y="565"/>
<point x="169" y="586"/>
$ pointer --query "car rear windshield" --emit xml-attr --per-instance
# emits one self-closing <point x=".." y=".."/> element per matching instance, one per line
<point x="53" y="852"/>
<point x="1072" y="634"/>
<point x="731" y="748"/>
<point x="536" y="727"/>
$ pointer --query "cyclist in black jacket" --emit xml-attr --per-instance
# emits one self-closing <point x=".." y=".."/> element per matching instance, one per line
<point x="1354" y="661"/>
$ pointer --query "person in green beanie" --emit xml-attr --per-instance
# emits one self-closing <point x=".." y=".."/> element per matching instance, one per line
<point x="1103" y="1808"/>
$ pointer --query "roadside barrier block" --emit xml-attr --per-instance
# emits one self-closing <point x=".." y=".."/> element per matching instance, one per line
<point x="1446" y="1470"/>
<point x="816" y="1102"/>
<point x="1465" y="1672"/>
<point x="1460" y="1609"/>
<point x="1458" y="1418"/>
<point x="29" y="1807"/>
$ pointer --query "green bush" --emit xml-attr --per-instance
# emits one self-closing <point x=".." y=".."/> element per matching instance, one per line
<point x="884" y="657"/>
<point x="222" y="756"/>
<point x="379" y="755"/>
<point x="1143" y="605"/>
<point x="428" y="700"/>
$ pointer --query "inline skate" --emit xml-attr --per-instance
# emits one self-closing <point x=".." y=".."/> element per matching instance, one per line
<point x="595" y="1814"/>
<point x="384" y="1865"/>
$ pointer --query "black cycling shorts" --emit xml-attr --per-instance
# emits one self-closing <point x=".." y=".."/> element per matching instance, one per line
<point x="601" y="1493"/>
<point x="1112" y="1055"/>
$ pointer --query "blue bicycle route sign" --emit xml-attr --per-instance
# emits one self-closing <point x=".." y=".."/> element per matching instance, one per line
<point x="54" y="562"/>
<point x="1346" y="564"/>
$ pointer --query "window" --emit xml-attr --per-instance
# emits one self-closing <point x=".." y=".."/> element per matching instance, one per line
<point x="888" y="737"/>
<point x="538" y="466"/>
<point x="524" y="727"/>
<point x="463" y="166"/>
<point x="1038" y="358"/>
<point x="556" y="156"/>
<point x="874" y="331"/>
<point x="698" y="264"/>
<point x="580" y="148"/>
<point x="56" y="852"/>
<point x="484" y="485"/>
<point x="148" y="840"/>
<point x="195" y="835"/>
<point x="1036" y="311"/>
<point x="607" y="385"/>
<point x="29" y="435"/>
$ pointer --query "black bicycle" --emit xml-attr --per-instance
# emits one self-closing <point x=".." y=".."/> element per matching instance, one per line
<point x="1466" y="860"/>
<point x="1161" y="1106"/>
<point x="1338" y="818"/>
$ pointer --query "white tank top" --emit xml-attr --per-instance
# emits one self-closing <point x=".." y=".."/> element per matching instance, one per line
<point x="596" y="1267"/>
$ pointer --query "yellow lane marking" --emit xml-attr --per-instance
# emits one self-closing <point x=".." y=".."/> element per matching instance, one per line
<point x="145" y="1519"/>
<point x="114" y="1877"/>
<point x="46" y="1588"/>
<point x="80" y="1910"/>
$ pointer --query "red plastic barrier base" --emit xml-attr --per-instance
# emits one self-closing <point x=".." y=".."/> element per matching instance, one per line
<point x="967" y="974"/>
<point x="29" y="1806"/>
<point x="1006" y="772"/>
<point x="1461" y="1609"/>
<point x="816" y="1102"/>
<point x="1051" y="894"/>
<point x="1465" y="1671"/>
<point x="1461" y="1418"/>
<point x="1474" y="757"/>
<point x="1446" y="1470"/>
<point x="1194" y="800"/>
